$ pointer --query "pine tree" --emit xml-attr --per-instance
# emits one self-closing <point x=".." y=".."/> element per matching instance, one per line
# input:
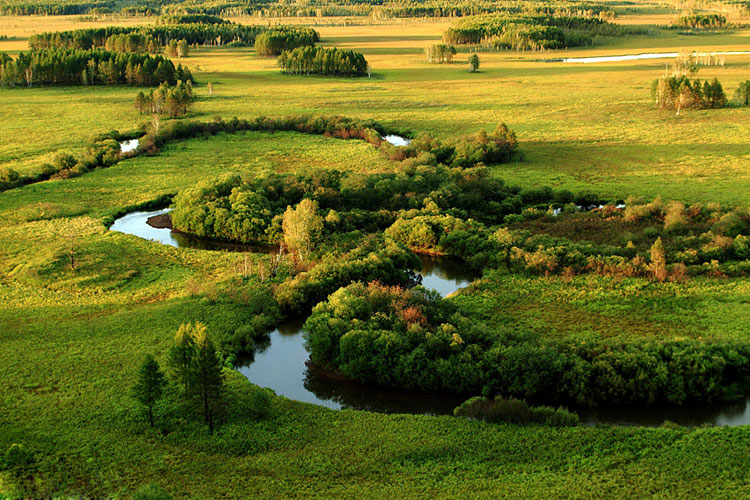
<point x="150" y="386"/>
<point x="473" y="63"/>
<point x="207" y="380"/>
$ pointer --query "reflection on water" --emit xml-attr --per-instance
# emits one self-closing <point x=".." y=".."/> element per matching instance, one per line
<point x="128" y="146"/>
<point x="397" y="140"/>
<point x="282" y="364"/>
<point x="136" y="223"/>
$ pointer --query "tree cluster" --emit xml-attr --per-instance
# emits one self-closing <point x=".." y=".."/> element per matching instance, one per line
<point x="414" y="340"/>
<point x="168" y="100"/>
<point x="679" y="92"/>
<point x="440" y="53"/>
<point x="700" y="21"/>
<point x="88" y="67"/>
<point x="275" y="41"/>
<point x="162" y="35"/>
<point x="196" y="367"/>
<point x="323" y="61"/>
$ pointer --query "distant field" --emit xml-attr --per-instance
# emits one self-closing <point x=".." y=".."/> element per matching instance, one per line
<point x="594" y="128"/>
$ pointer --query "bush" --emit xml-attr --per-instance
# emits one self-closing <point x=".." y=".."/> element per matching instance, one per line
<point x="514" y="411"/>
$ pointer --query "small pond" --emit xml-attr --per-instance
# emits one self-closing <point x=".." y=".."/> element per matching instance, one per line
<point x="128" y="146"/>
<point x="397" y="140"/>
<point x="283" y="364"/>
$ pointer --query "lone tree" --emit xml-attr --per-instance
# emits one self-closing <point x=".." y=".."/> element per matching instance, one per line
<point x="302" y="226"/>
<point x="207" y="381"/>
<point x="658" y="264"/>
<point x="150" y="386"/>
<point x="473" y="63"/>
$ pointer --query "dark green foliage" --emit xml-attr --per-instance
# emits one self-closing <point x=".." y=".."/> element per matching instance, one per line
<point x="89" y="67"/>
<point x="206" y="381"/>
<point x="276" y="41"/>
<point x="678" y="92"/>
<point x="514" y="411"/>
<point x="322" y="61"/>
<point x="150" y="386"/>
<point x="742" y="95"/>
<point x="700" y="21"/>
<point x="19" y="466"/>
<point x="412" y="340"/>
<point x="193" y="34"/>
<point x="191" y="19"/>
<point x="473" y="63"/>
<point x="152" y="491"/>
<point x="169" y="100"/>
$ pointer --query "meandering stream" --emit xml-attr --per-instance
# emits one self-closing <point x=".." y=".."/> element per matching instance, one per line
<point x="283" y="364"/>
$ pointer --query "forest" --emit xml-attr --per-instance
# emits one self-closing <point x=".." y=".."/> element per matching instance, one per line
<point x="88" y="67"/>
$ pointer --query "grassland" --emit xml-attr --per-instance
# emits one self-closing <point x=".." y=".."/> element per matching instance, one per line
<point x="71" y="342"/>
<point x="594" y="128"/>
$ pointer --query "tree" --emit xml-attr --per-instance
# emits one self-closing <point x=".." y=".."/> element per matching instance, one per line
<point x="150" y="386"/>
<point x="473" y="63"/>
<point x="140" y="102"/>
<point x="658" y="264"/>
<point x="206" y="376"/>
<point x="742" y="96"/>
<point x="181" y="354"/>
<point x="302" y="226"/>
<point x="182" y="48"/>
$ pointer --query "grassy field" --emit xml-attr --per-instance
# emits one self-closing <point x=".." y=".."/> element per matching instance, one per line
<point x="595" y="128"/>
<point x="71" y="342"/>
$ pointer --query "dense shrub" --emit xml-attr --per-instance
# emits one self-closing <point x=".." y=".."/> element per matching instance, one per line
<point x="514" y="411"/>
<point x="411" y="339"/>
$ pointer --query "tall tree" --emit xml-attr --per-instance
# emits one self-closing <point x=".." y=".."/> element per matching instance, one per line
<point x="302" y="226"/>
<point x="206" y="376"/>
<point x="150" y="386"/>
<point x="181" y="355"/>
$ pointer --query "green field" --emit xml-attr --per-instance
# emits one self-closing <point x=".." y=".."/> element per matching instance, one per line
<point x="71" y="342"/>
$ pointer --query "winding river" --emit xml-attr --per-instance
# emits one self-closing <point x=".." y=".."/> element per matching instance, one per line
<point x="283" y="364"/>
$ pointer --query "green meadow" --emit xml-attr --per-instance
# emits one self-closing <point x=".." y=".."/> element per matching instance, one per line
<point x="71" y="342"/>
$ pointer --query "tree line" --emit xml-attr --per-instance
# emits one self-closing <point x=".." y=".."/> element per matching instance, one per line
<point x="700" y="21"/>
<point x="162" y="35"/>
<point x="529" y="32"/>
<point x="169" y="100"/>
<point x="88" y="67"/>
<point x="323" y="61"/>
<point x="92" y="67"/>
